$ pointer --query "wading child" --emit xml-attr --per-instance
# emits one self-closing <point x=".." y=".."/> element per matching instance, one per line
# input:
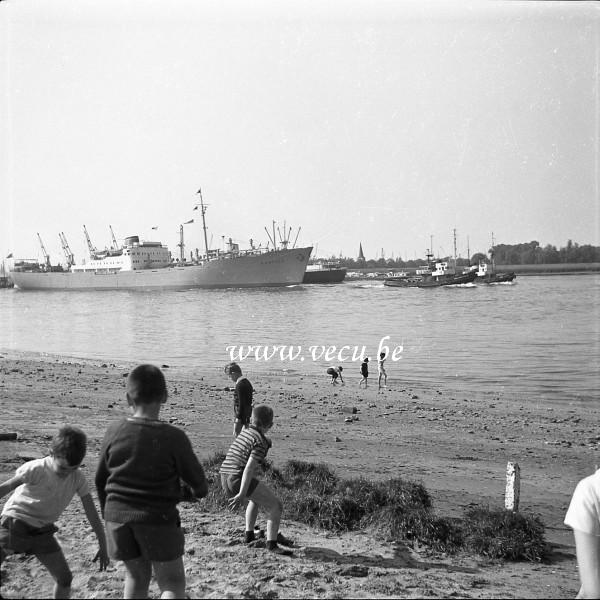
<point x="381" y="369"/>
<point x="43" y="489"/>
<point x="335" y="372"/>
<point x="242" y="397"/>
<point x="142" y="463"/>
<point x="364" y="371"/>
<point x="238" y="478"/>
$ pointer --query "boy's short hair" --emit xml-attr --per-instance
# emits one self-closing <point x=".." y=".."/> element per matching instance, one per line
<point x="71" y="444"/>
<point x="233" y="367"/>
<point x="341" y="368"/>
<point x="262" y="415"/>
<point x="146" y="384"/>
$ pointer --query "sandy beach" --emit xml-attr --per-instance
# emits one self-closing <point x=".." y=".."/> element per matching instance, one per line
<point x="457" y="446"/>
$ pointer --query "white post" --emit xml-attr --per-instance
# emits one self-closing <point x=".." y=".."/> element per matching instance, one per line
<point x="513" y="487"/>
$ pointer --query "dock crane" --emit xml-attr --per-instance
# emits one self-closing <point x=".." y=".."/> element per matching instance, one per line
<point x="67" y="250"/>
<point x="91" y="247"/>
<point x="114" y="246"/>
<point x="46" y="255"/>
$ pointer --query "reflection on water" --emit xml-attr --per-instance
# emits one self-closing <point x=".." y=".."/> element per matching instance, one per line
<point x="538" y="338"/>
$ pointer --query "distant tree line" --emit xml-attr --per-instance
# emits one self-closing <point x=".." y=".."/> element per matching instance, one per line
<point x="530" y="253"/>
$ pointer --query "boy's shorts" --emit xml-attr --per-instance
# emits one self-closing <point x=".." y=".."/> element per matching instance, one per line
<point x="231" y="484"/>
<point x="21" y="538"/>
<point x="160" y="543"/>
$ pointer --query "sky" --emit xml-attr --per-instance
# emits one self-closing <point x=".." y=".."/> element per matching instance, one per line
<point x="372" y="122"/>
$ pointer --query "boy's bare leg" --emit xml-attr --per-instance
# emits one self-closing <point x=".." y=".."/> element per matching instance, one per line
<point x="265" y="498"/>
<point x="137" y="577"/>
<point x="170" y="577"/>
<point x="251" y="514"/>
<point x="57" y="566"/>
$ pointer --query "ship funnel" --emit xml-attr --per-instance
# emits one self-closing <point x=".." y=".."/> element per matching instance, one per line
<point x="131" y="240"/>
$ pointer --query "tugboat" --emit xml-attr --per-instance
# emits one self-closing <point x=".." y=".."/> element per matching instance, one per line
<point x="324" y="272"/>
<point x="485" y="276"/>
<point x="436" y="274"/>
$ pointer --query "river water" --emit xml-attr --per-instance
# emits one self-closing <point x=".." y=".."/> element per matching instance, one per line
<point x="537" y="339"/>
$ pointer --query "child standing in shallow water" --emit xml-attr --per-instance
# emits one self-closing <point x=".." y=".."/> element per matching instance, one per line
<point x="43" y="489"/>
<point x="239" y="482"/>
<point x="364" y="371"/>
<point x="141" y="464"/>
<point x="381" y="370"/>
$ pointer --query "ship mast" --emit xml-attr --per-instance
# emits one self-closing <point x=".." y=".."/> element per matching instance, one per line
<point x="203" y="210"/>
<point x="454" y="250"/>
<point x="430" y="255"/>
<point x="492" y="253"/>
<point x="181" y="245"/>
<point x="468" y="252"/>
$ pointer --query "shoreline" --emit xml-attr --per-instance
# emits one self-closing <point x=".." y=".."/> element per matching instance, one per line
<point x="456" y="446"/>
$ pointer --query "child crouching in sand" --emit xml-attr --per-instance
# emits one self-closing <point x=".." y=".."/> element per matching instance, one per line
<point x="238" y="478"/>
<point x="141" y="464"/>
<point x="43" y="489"/>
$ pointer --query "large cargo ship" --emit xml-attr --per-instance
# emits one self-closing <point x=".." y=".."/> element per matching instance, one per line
<point x="140" y="266"/>
<point x="149" y="265"/>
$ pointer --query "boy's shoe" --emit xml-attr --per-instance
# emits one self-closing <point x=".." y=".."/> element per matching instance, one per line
<point x="257" y="544"/>
<point x="279" y="550"/>
<point x="281" y="539"/>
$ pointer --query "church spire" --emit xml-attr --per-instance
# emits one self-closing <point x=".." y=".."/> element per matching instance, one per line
<point x="361" y="256"/>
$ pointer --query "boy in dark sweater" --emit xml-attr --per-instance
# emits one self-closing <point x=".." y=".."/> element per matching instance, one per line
<point x="142" y="463"/>
<point x="242" y="397"/>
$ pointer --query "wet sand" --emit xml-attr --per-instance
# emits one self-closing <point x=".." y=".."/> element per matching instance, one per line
<point x="457" y="446"/>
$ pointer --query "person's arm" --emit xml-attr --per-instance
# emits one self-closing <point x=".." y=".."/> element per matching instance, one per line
<point x="10" y="485"/>
<point x="190" y="469"/>
<point x="588" y="559"/>
<point x="92" y="516"/>
<point x="245" y="392"/>
<point x="100" y="481"/>
<point x="247" y="476"/>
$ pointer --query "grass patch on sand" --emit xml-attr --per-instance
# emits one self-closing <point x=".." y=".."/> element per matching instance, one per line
<point x="396" y="509"/>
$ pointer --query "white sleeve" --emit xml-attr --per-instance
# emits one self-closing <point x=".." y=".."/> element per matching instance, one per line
<point x="584" y="510"/>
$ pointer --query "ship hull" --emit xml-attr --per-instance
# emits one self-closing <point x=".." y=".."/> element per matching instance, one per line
<point x="497" y="277"/>
<point x="429" y="282"/>
<point x="278" y="268"/>
<point x="325" y="276"/>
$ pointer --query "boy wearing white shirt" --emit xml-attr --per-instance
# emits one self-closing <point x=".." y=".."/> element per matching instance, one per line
<point x="583" y="517"/>
<point x="43" y="489"/>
